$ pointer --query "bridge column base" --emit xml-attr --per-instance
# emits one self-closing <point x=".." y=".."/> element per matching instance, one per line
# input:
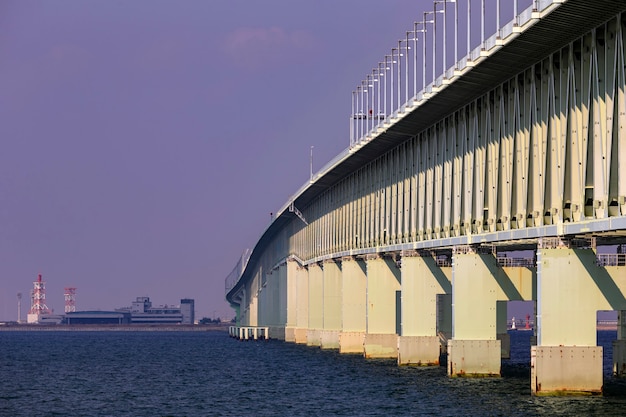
<point x="300" y="335"/>
<point x="329" y="339"/>
<point x="566" y="370"/>
<point x="619" y="358"/>
<point x="380" y="345"/>
<point x="419" y="350"/>
<point x="351" y="342"/>
<point x="505" y="345"/>
<point x="313" y="337"/>
<point x="474" y="358"/>
<point x="277" y="332"/>
<point x="290" y="334"/>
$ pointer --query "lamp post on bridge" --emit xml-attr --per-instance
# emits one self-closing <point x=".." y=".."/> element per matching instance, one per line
<point x="387" y="80"/>
<point x="415" y="39"/>
<point x="445" y="31"/>
<point x="377" y="75"/>
<point x="392" y="84"/>
<point x="371" y="93"/>
<point x="424" y="21"/>
<point x="403" y="52"/>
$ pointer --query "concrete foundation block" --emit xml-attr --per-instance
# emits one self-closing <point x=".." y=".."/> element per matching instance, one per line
<point x="619" y="358"/>
<point x="505" y="345"/>
<point x="380" y="345"/>
<point x="329" y="339"/>
<point x="474" y="358"/>
<point x="277" y="332"/>
<point x="314" y="337"/>
<point x="351" y="342"/>
<point x="419" y="350"/>
<point x="300" y="335"/>
<point x="566" y="370"/>
<point x="290" y="334"/>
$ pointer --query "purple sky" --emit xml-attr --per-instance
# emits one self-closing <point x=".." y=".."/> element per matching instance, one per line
<point x="144" y="143"/>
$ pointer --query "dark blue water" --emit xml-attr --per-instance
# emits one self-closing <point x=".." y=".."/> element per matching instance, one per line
<point x="210" y="374"/>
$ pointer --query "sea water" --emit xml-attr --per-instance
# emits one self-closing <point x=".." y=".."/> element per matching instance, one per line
<point x="209" y="374"/>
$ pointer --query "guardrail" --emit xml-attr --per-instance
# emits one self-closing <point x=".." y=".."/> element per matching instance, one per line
<point x="235" y="274"/>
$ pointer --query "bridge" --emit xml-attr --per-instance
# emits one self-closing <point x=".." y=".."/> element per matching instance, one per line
<point x="469" y="181"/>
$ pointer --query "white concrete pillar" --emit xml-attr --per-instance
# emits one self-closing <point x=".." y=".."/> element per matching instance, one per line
<point x="353" y="305"/>
<point x="619" y="346"/>
<point x="422" y="281"/>
<point x="302" y="305"/>
<point x="502" y="329"/>
<point x="281" y="299"/>
<point x="316" y="305"/>
<point x="383" y="307"/>
<point x="295" y="274"/>
<point x="332" y="306"/>
<point x="571" y="289"/>
<point x="478" y="283"/>
<point x="299" y="310"/>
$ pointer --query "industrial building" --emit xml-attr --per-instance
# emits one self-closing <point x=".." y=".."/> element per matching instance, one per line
<point x="97" y="317"/>
<point x="143" y="312"/>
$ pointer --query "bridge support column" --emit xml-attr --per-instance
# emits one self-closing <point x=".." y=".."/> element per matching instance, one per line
<point x="353" y="305"/>
<point x="383" y="308"/>
<point x="302" y="305"/>
<point x="571" y="289"/>
<point x="252" y="297"/>
<point x="316" y="305"/>
<point x="296" y="275"/>
<point x="619" y="346"/>
<point x="422" y="281"/>
<point x="501" y="330"/>
<point x="281" y="301"/>
<point x="478" y="283"/>
<point x="329" y="338"/>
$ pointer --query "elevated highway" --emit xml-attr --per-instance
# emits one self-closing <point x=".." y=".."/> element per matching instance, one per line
<point x="401" y="244"/>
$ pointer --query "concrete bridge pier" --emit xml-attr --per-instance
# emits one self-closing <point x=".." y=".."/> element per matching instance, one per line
<point x="297" y="302"/>
<point x="383" y="307"/>
<point x="272" y="301"/>
<point x="619" y="346"/>
<point x="480" y="288"/>
<point x="572" y="287"/>
<point x="331" y="321"/>
<point x="316" y="305"/>
<point x="353" y="305"/>
<point x="422" y="281"/>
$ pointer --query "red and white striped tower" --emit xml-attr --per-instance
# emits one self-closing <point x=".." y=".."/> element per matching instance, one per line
<point x="70" y="299"/>
<point x="38" y="307"/>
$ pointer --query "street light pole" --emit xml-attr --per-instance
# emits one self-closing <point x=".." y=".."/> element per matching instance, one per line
<point x="399" y="74"/>
<point x="311" y="165"/>
<point x="386" y="78"/>
<point x="482" y="23"/>
<point x="424" y="49"/>
<point x="469" y="32"/>
<point x="392" y="80"/>
<point x="352" y="121"/>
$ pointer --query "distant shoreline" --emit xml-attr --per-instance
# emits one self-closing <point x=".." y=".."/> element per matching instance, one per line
<point x="114" y="327"/>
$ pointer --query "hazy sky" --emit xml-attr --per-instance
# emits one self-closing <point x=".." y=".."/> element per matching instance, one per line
<point x="144" y="143"/>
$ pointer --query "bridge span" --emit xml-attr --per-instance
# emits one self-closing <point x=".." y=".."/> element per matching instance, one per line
<point x="500" y="178"/>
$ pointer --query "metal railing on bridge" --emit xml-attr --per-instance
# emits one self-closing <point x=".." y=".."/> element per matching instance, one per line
<point x="406" y="78"/>
<point x="611" y="259"/>
<point x="235" y="274"/>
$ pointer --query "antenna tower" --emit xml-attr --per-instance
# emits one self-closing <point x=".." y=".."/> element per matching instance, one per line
<point x="38" y="306"/>
<point x="70" y="299"/>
